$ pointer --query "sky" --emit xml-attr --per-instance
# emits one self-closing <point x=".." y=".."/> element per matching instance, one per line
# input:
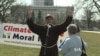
<point x="64" y="2"/>
<point x="56" y="2"/>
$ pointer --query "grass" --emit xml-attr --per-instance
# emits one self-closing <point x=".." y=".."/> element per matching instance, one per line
<point x="92" y="39"/>
<point x="7" y="50"/>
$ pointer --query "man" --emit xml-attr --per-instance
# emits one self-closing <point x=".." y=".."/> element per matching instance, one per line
<point x="72" y="46"/>
<point x="49" y="33"/>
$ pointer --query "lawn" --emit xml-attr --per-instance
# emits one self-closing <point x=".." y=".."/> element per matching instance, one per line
<point x="7" y="50"/>
<point x="92" y="39"/>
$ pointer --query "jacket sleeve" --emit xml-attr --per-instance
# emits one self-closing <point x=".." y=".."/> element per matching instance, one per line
<point x="34" y="28"/>
<point x="64" y="48"/>
<point x="62" y="28"/>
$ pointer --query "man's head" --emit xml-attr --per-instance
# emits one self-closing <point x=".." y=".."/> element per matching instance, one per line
<point x="72" y="29"/>
<point x="49" y="19"/>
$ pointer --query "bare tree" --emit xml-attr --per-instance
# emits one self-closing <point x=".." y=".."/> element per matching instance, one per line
<point x="5" y="6"/>
<point x="89" y="15"/>
<point x="98" y="24"/>
<point x="19" y="14"/>
<point x="79" y="5"/>
<point x="90" y="8"/>
<point x="97" y="4"/>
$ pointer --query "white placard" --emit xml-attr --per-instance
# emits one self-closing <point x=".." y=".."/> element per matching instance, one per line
<point x="19" y="34"/>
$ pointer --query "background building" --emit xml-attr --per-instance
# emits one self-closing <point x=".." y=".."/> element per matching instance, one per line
<point x="59" y="13"/>
<point x="38" y="3"/>
<point x="43" y="2"/>
<point x="48" y="2"/>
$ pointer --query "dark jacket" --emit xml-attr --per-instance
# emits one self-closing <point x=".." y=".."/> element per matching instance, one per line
<point x="54" y="33"/>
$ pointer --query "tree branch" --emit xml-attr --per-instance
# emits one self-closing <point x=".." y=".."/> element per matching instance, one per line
<point x="97" y="6"/>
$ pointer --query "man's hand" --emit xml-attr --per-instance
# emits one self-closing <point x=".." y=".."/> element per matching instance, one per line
<point x="29" y="11"/>
<point x="70" y="11"/>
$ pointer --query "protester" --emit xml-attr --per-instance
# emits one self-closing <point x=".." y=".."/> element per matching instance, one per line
<point x="72" y="46"/>
<point x="49" y="33"/>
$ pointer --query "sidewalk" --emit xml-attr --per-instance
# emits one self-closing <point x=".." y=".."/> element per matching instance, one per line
<point x="92" y="31"/>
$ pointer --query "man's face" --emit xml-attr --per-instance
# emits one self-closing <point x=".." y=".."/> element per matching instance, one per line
<point x="49" y="20"/>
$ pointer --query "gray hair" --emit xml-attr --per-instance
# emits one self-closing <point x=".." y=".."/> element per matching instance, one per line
<point x="72" y="29"/>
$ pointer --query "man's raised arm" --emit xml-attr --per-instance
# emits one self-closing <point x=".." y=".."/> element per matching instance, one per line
<point x="62" y="28"/>
<point x="30" y="21"/>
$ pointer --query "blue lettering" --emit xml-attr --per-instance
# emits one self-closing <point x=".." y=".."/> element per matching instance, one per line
<point x="33" y="38"/>
<point x="16" y="36"/>
<point x="30" y="38"/>
<point x="25" y="37"/>
<point x="4" y="36"/>
<point x="21" y="37"/>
